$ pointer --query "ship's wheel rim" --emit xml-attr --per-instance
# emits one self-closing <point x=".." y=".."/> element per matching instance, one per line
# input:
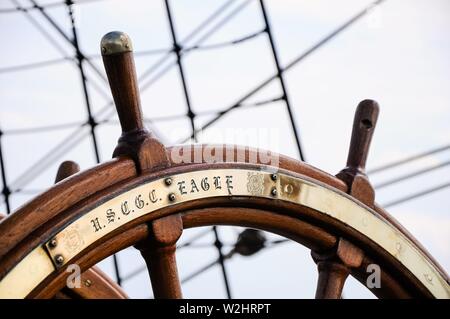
<point x="245" y="202"/>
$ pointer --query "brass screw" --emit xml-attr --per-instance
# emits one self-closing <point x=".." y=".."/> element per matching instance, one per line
<point x="171" y="197"/>
<point x="87" y="282"/>
<point x="274" y="177"/>
<point x="168" y="181"/>
<point x="53" y="243"/>
<point x="273" y="192"/>
<point x="59" y="259"/>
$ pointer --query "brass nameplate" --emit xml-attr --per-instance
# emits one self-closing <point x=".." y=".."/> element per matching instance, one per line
<point x="26" y="275"/>
<point x="150" y="197"/>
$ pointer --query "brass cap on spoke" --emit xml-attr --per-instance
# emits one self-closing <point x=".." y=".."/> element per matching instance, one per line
<point x="115" y="42"/>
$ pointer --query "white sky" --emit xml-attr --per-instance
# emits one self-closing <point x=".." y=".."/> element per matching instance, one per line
<point x="398" y="56"/>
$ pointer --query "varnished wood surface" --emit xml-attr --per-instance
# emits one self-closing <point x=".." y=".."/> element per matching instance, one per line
<point x="205" y="217"/>
<point x="354" y="174"/>
<point x="93" y="199"/>
<point x="244" y="154"/>
<point x="331" y="280"/>
<point x="95" y="284"/>
<point x="64" y="196"/>
<point x="116" y="242"/>
<point x="122" y="79"/>
<point x="337" y="249"/>
<point x="302" y="232"/>
<point x="363" y="128"/>
<point x="334" y="266"/>
<point x="66" y="169"/>
<point x="60" y="197"/>
<point x="158" y="251"/>
<point x="391" y="287"/>
<point x="135" y="141"/>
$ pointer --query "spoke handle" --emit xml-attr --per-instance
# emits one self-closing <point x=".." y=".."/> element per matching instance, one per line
<point x="117" y="53"/>
<point x="366" y="116"/>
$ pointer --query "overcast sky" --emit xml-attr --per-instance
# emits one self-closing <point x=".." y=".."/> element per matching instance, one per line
<point x="397" y="55"/>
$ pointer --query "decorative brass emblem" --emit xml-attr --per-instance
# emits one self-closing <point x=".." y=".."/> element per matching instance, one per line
<point x="72" y="240"/>
<point x="255" y="183"/>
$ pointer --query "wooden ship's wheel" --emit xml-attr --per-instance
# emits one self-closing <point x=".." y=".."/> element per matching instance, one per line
<point x="148" y="193"/>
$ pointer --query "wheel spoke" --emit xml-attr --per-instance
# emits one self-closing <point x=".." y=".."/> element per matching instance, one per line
<point x="332" y="276"/>
<point x="159" y="253"/>
<point x="334" y="267"/>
